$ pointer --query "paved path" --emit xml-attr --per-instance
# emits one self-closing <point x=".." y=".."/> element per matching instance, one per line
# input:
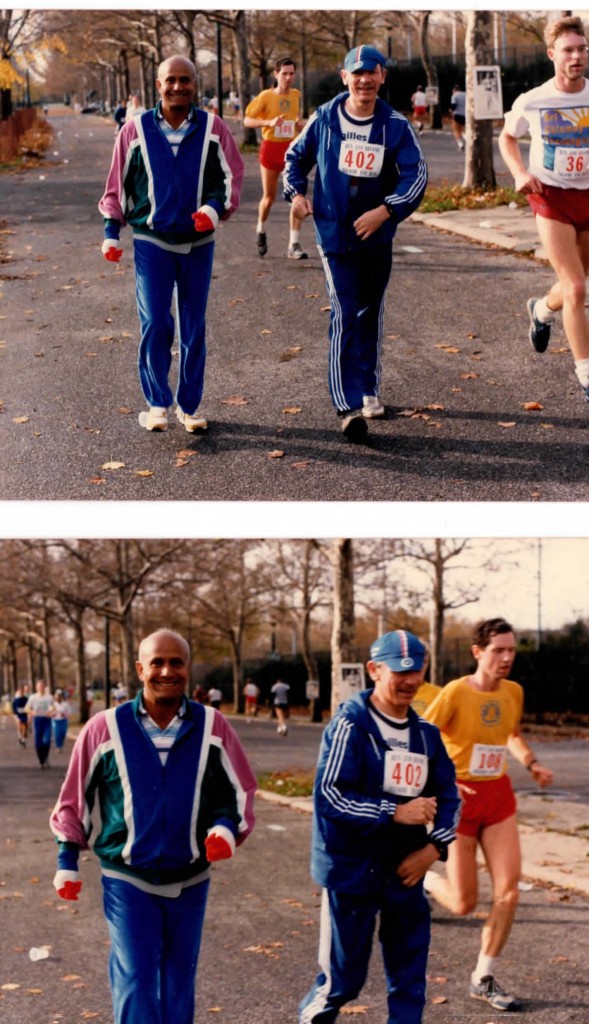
<point x="458" y="369"/>
<point x="261" y="934"/>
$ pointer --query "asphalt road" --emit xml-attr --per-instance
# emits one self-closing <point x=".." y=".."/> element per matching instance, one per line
<point x="261" y="933"/>
<point x="457" y="365"/>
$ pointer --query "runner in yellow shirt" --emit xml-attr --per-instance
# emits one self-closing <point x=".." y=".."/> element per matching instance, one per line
<point x="479" y="718"/>
<point x="276" y="112"/>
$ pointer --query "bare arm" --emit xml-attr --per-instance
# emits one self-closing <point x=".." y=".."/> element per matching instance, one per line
<point x="262" y="122"/>
<point x="510" y="151"/>
<point x="519" y="749"/>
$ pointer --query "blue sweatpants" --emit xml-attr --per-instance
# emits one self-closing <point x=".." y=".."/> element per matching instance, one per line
<point x="356" y="285"/>
<point x="59" y="731"/>
<point x="155" y="942"/>
<point x="345" y="945"/>
<point x="42" y="734"/>
<point x="158" y="274"/>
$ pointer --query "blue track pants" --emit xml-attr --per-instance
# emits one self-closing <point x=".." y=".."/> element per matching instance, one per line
<point x="42" y="734"/>
<point x="155" y="942"/>
<point x="59" y="731"/>
<point x="345" y="945"/>
<point x="158" y="272"/>
<point x="356" y="285"/>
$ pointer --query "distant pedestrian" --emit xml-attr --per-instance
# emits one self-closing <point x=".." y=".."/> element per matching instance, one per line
<point x="135" y="107"/>
<point x="176" y="172"/>
<point x="215" y="697"/>
<point x="40" y="710"/>
<point x="61" y="714"/>
<point x="281" y="691"/>
<point x="21" y="718"/>
<point x="251" y="693"/>
<point x="200" y="695"/>
<point x="119" y="694"/>
<point x="458" y="109"/>
<point x="175" y="793"/>
<point x="419" y="104"/>
<point x="120" y="114"/>
<point x="89" y="699"/>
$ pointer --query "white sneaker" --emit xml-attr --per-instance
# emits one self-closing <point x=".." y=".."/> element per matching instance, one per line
<point x="372" y="407"/>
<point x="155" y="418"/>
<point x="296" y="252"/>
<point x="191" y="423"/>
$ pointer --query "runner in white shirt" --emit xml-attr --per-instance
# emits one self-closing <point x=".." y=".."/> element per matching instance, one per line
<point x="40" y="708"/>
<point x="556" y="183"/>
<point x="280" y="691"/>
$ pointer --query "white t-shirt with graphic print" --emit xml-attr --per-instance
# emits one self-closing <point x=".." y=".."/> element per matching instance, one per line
<point x="558" y="124"/>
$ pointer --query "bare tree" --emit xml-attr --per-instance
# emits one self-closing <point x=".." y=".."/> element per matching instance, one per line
<point x="343" y="629"/>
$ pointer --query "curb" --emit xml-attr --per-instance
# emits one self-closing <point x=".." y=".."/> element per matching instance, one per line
<point x="450" y="221"/>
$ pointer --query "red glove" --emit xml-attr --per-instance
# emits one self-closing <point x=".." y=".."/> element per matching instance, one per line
<point x="205" y="219"/>
<point x="219" y="844"/>
<point x="67" y="884"/>
<point x="110" y="250"/>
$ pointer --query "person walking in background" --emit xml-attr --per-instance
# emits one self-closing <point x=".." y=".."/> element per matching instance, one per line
<point x="281" y="691"/>
<point x="277" y="112"/>
<point x="556" y="184"/>
<point x="176" y="172"/>
<point x="385" y="806"/>
<point x="370" y="175"/>
<point x="419" y="105"/>
<point x="135" y="107"/>
<point x="458" y="109"/>
<point x="120" y="114"/>
<point x="215" y="697"/>
<point x="39" y="707"/>
<point x="188" y="801"/>
<point x="479" y="717"/>
<point x="251" y="693"/>
<point x="61" y="714"/>
<point x="21" y="717"/>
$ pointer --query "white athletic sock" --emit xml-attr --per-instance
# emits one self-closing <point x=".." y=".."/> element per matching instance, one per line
<point x="485" y="967"/>
<point x="294" y="236"/>
<point x="543" y="312"/>
<point x="261" y="227"/>
<point x="582" y="371"/>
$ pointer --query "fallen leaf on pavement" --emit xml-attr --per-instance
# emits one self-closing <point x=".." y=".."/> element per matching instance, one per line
<point x="97" y="480"/>
<point x="20" y="419"/>
<point x="292" y="409"/>
<point x="186" y="453"/>
<point x="144" y="472"/>
<point x="469" y="376"/>
<point x="35" y="991"/>
<point x="529" y="406"/>
<point x="325" y="309"/>
<point x="312" y="295"/>
<point x="9" y="986"/>
<point x="301" y="465"/>
<point x="439" y="999"/>
<point x="265" y="331"/>
<point x="354" y="1009"/>
<point x="506" y="424"/>
<point x="435" y="406"/>
<point x="235" y="400"/>
<point x="471" y="335"/>
<point x="393" y="337"/>
<point x="214" y="1009"/>
<point x="276" y="454"/>
<point x="547" y="426"/>
<point x="71" y="977"/>
<point x="113" y="465"/>
<point x="124" y="410"/>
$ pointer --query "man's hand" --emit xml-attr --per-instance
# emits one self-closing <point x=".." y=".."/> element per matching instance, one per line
<point x="420" y="811"/>
<point x="301" y="207"/>
<point x="543" y="776"/>
<point x="110" y="250"/>
<point x="412" y="869"/>
<point x="219" y="844"/>
<point x="369" y="222"/>
<point x="205" y="219"/>
<point x="525" y="182"/>
<point x="67" y="884"/>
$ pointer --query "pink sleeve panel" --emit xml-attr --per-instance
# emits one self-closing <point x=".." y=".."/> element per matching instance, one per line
<point x="70" y="818"/>
<point x="111" y="204"/>
<point x="234" y="162"/>
<point x="244" y="776"/>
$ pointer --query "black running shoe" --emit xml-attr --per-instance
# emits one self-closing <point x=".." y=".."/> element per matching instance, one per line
<point x="539" y="333"/>
<point x="490" y="992"/>
<point x="261" y="243"/>
<point x="354" y="426"/>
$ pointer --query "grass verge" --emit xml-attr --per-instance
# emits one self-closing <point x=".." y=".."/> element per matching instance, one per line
<point x="439" y="198"/>
<point x="287" y="783"/>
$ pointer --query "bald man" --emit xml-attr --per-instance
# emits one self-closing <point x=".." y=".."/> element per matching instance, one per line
<point x="175" y="792"/>
<point x="175" y="173"/>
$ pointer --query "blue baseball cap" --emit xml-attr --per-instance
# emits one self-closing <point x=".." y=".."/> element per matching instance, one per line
<point x="364" y="58"/>
<point x="400" y="650"/>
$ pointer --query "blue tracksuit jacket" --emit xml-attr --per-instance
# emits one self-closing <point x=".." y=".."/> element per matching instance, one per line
<point x="400" y="184"/>
<point x="356" y="845"/>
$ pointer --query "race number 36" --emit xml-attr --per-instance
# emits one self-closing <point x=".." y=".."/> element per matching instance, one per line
<point x="572" y="163"/>
<point x="486" y="759"/>
<point x="405" y="773"/>
<point x="361" y="159"/>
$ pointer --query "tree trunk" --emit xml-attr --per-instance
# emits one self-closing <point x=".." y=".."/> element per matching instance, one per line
<point x="81" y="667"/>
<point x="479" y="171"/>
<point x="240" y="30"/>
<point x="438" y="616"/>
<point x="429" y="67"/>
<point x="342" y="635"/>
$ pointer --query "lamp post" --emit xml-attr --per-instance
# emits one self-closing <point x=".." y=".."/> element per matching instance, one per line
<point x="106" y="660"/>
<point x="219" y="70"/>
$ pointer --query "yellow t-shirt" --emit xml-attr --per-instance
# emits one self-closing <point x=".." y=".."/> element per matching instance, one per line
<point x="268" y="104"/>
<point x="476" y="725"/>
<point x="425" y="695"/>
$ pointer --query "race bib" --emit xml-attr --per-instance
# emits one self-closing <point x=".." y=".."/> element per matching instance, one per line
<point x="285" y="130"/>
<point x="405" y="774"/>
<point x="361" y="159"/>
<point x="486" y="759"/>
<point x="572" y="163"/>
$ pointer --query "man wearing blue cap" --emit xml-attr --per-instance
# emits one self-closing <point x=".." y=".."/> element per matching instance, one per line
<point x="370" y="176"/>
<point x="385" y="808"/>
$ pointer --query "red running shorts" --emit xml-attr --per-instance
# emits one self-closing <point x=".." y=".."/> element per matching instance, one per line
<point x="492" y="801"/>
<point x="272" y="155"/>
<point x="567" y="205"/>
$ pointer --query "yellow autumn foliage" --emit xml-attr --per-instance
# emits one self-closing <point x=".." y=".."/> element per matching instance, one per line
<point x="9" y="76"/>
